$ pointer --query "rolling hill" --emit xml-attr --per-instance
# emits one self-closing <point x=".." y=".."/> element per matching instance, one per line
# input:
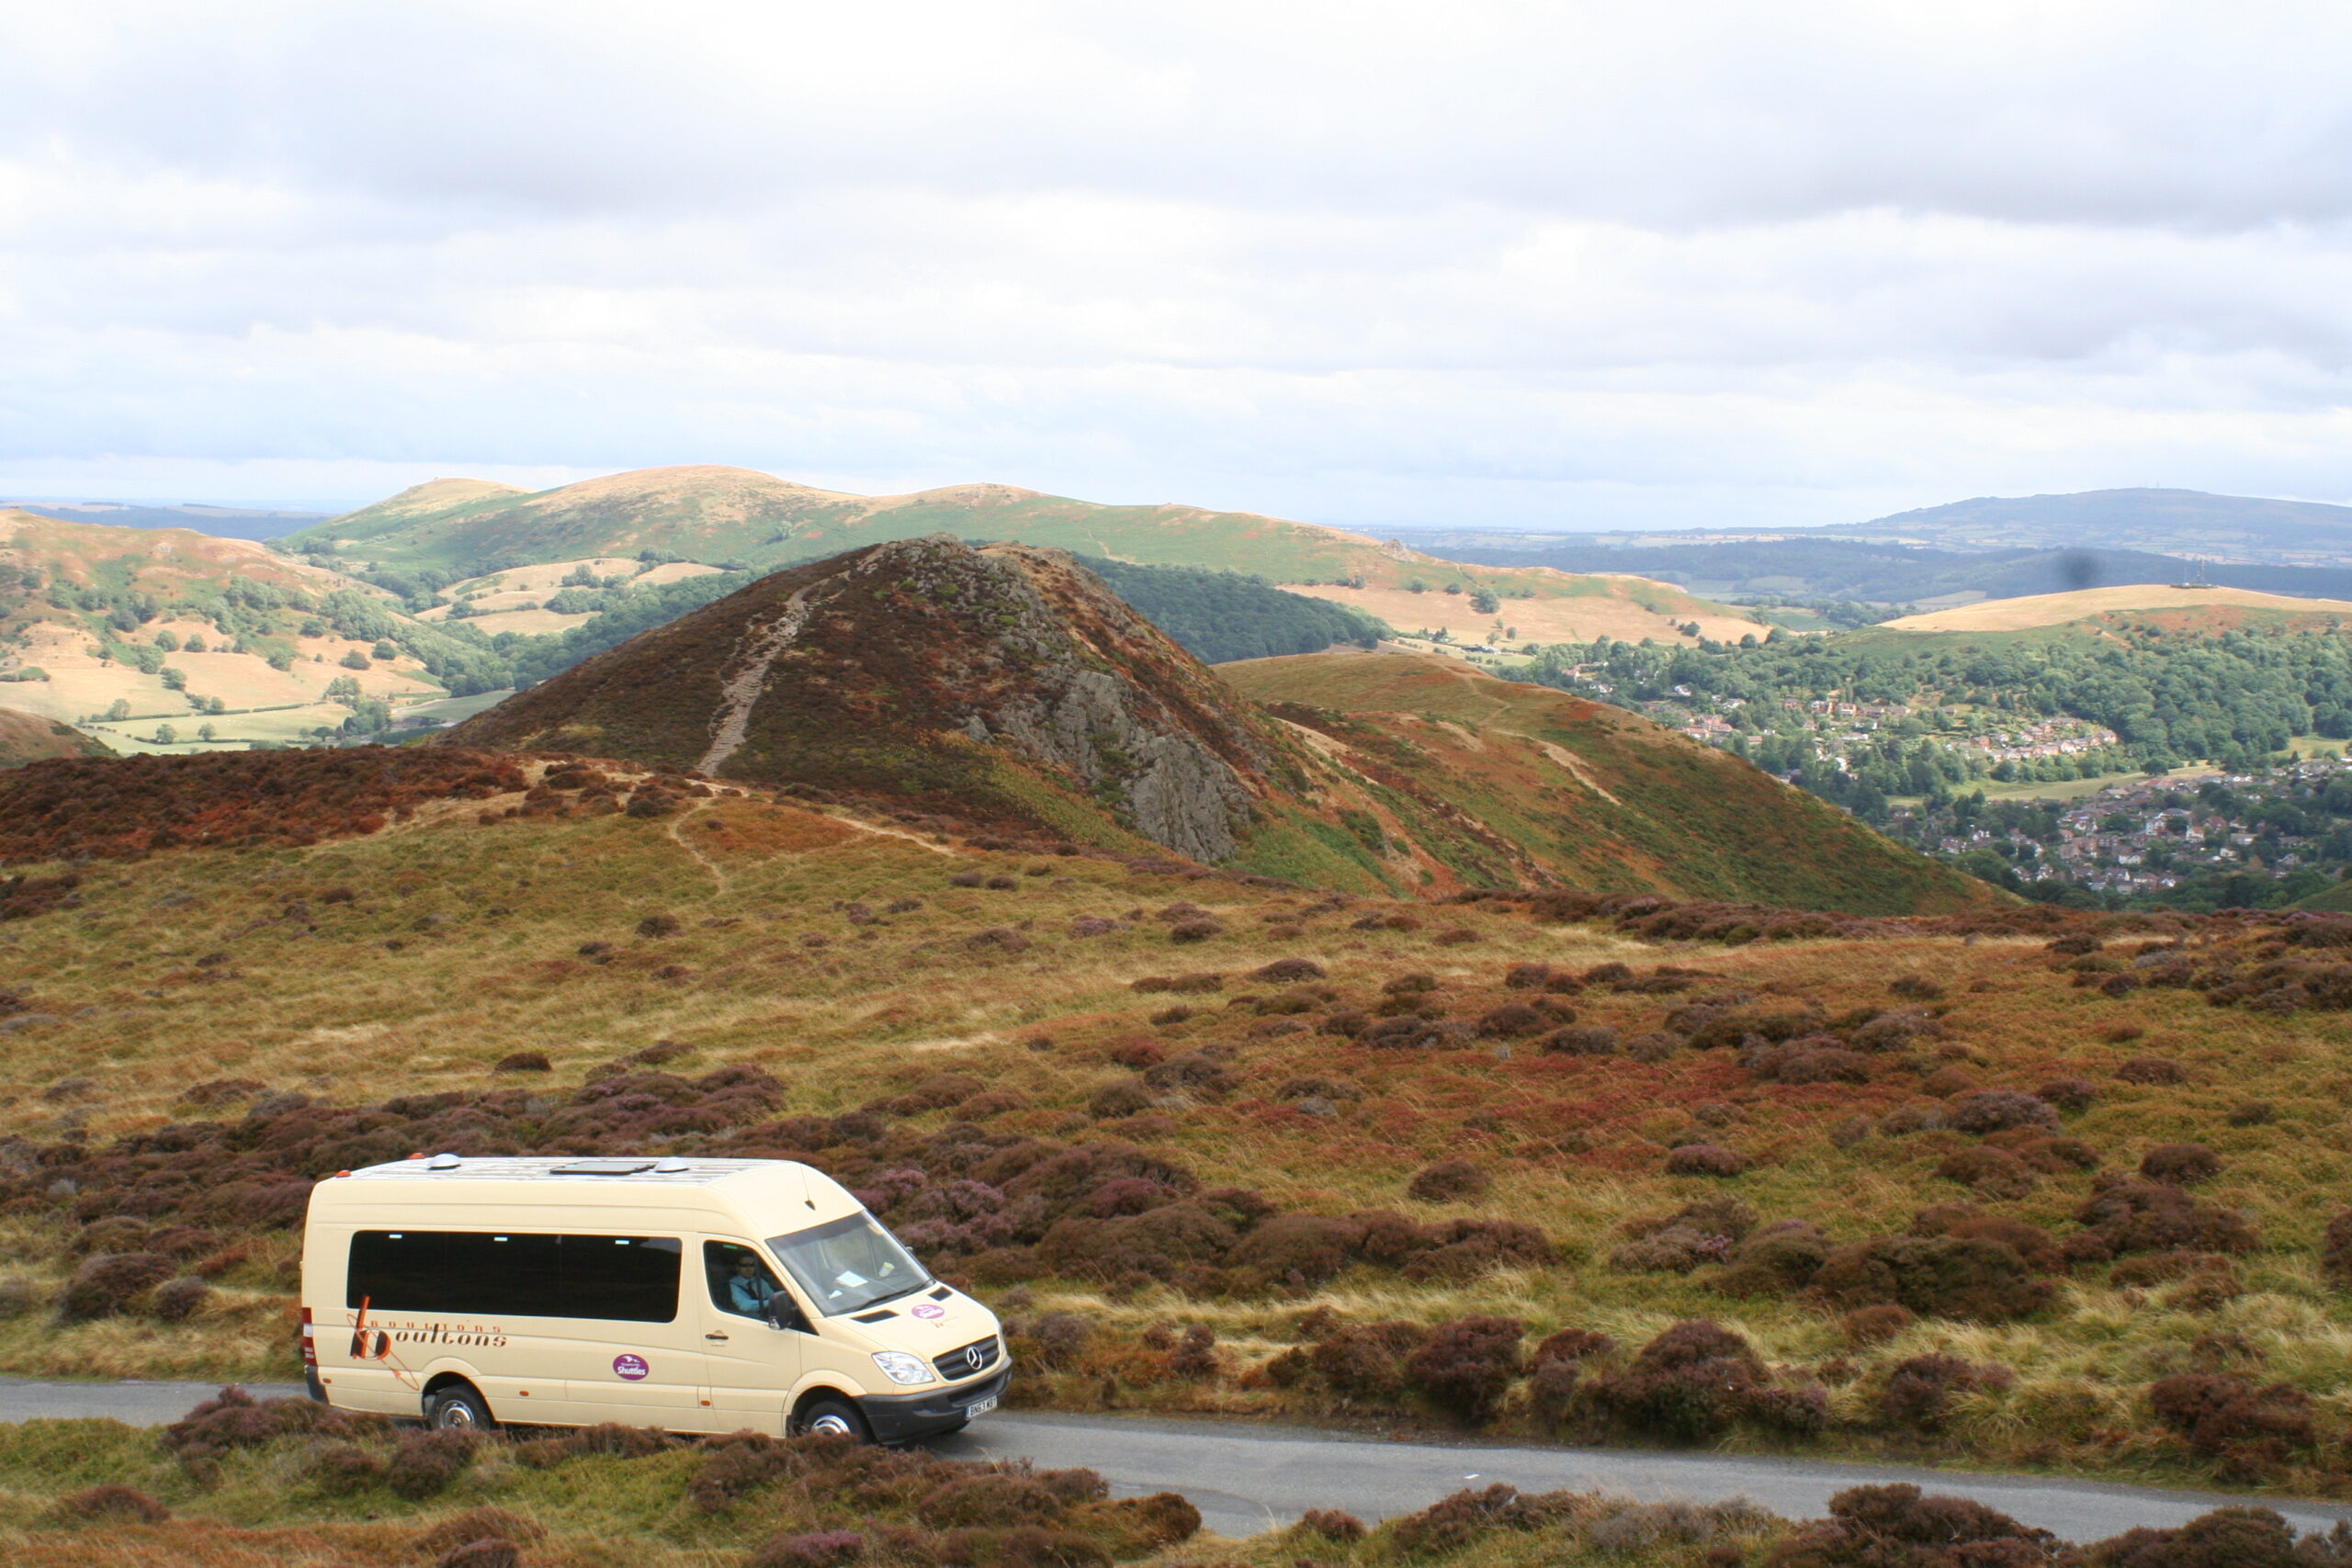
<point x="724" y="516"/>
<point x="1006" y="686"/>
<point x="2167" y="522"/>
<point x="2212" y="607"/>
<point x="28" y="737"/>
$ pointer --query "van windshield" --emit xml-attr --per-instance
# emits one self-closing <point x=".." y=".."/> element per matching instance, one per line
<point x="849" y="1263"/>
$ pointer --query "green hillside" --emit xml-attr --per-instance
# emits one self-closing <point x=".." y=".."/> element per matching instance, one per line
<point x="738" y="518"/>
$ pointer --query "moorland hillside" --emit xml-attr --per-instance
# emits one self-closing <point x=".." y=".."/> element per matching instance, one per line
<point x="2019" y="1185"/>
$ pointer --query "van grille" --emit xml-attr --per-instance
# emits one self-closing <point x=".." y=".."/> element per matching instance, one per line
<point x="969" y="1361"/>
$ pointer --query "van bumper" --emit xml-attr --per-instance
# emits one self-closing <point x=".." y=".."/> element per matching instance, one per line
<point x="312" y="1387"/>
<point x="897" y="1418"/>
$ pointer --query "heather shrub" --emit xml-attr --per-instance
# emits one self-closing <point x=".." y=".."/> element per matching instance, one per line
<point x="2151" y="1070"/>
<point x="1942" y="1276"/>
<point x="1464" y="1367"/>
<point x="1884" y="1526"/>
<point x="1448" y="1180"/>
<point x="18" y="1296"/>
<point x="2225" y="1537"/>
<point x="991" y="1498"/>
<point x="1368" y="1359"/>
<point x="1994" y="1172"/>
<point x="339" y="1470"/>
<point x="1706" y="1159"/>
<point x="1581" y="1039"/>
<point x="425" y="1463"/>
<point x="2128" y="1214"/>
<point x="1998" y="1109"/>
<point x="1512" y="1021"/>
<point x="740" y="1463"/>
<point x="1693" y="1384"/>
<point x="1453" y="1525"/>
<point x="179" y="1300"/>
<point x="2180" y="1164"/>
<point x="109" y="1283"/>
<point x="1781" y="1256"/>
<point x="2071" y="1095"/>
<point x="115" y="1501"/>
<point x="1289" y="971"/>
<point x="1919" y="1391"/>
<point x="1331" y="1525"/>
<point x="1062" y="1338"/>
<point x="1876" y="1324"/>
<point x="2335" y="1248"/>
<point x="524" y="1062"/>
<point x="2228" y="1418"/>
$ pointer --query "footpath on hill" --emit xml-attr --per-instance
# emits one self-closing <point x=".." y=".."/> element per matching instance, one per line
<point x="1246" y="1478"/>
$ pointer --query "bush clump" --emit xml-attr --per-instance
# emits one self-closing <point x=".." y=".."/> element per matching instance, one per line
<point x="1464" y="1367"/>
<point x="1694" y="1383"/>
<point x="1920" y="1391"/>
<point x="1446" y="1181"/>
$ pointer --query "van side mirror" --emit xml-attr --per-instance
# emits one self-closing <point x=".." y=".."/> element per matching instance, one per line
<point x="786" y="1313"/>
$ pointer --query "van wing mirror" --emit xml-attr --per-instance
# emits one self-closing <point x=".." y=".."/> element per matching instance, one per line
<point x="784" y="1313"/>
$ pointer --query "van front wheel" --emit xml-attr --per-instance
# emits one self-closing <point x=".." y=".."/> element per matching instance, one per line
<point x="833" y="1417"/>
<point x="458" y="1408"/>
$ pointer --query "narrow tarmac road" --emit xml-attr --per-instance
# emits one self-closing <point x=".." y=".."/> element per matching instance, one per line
<point x="1246" y="1478"/>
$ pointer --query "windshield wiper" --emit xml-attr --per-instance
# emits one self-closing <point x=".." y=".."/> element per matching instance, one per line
<point x="894" y="1295"/>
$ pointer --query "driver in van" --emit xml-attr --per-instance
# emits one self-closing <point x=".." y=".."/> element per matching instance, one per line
<point x="750" y="1291"/>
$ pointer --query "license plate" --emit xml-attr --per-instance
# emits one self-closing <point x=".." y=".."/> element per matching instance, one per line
<point x="982" y="1408"/>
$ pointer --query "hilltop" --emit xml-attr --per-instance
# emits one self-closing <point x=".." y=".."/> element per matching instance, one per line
<point x="1007" y="686"/>
<point x="738" y="517"/>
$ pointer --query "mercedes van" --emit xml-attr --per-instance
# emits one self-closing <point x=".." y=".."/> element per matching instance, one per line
<point x="696" y="1295"/>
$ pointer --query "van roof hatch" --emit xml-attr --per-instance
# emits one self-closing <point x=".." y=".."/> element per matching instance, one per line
<point x="602" y="1168"/>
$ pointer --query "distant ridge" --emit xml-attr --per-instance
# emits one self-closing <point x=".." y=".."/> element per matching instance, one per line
<point x="2169" y="522"/>
<point x="739" y="517"/>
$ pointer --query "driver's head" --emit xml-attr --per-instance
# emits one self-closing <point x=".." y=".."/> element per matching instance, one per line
<point x="747" y="1265"/>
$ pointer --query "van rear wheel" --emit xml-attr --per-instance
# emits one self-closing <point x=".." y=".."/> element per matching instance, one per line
<point x="459" y="1407"/>
<point x="833" y="1417"/>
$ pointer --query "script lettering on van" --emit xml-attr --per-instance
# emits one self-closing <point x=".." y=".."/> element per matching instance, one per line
<point x="373" y="1341"/>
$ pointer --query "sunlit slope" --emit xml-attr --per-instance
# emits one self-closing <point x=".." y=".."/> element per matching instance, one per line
<point x="1605" y="798"/>
<point x="2063" y="609"/>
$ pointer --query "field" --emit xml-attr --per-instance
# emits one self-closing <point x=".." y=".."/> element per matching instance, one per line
<point x="1626" y="608"/>
<point x="2058" y="609"/>
<point x="1216" y="1145"/>
<point x="511" y="600"/>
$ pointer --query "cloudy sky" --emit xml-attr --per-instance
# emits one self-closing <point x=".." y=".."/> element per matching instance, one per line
<point x="1550" y="264"/>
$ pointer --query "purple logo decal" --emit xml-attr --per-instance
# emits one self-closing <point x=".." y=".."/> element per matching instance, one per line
<point x="630" y="1367"/>
<point x="929" y="1309"/>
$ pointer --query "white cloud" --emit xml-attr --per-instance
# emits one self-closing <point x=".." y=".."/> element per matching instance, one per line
<point x="1374" y="262"/>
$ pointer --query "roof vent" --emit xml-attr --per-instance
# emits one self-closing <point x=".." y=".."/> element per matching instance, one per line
<point x="603" y="1168"/>
<point x="443" y="1162"/>
<point x="673" y="1166"/>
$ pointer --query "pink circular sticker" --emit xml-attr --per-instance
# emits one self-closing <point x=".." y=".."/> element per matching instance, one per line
<point x="929" y="1309"/>
<point x="630" y="1367"/>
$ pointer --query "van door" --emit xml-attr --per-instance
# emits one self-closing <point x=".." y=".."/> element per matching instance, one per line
<point x="754" y="1364"/>
<point x="632" y="1354"/>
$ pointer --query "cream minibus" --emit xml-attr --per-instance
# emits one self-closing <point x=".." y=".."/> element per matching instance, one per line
<point x="696" y="1295"/>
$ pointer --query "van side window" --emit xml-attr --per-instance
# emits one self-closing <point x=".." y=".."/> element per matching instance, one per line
<point x="743" y="1284"/>
<point x="624" y="1279"/>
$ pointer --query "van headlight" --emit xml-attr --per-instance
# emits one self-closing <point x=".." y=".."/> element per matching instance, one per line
<point x="899" y="1366"/>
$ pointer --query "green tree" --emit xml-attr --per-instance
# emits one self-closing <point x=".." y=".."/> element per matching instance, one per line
<point x="354" y="660"/>
<point x="165" y="734"/>
<point x="119" y="709"/>
<point x="207" y="732"/>
<point x="343" y="689"/>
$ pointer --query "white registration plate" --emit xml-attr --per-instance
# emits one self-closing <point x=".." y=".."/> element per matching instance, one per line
<point x="982" y="1408"/>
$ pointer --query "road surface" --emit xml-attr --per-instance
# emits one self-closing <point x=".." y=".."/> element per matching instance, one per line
<point x="1245" y="1477"/>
